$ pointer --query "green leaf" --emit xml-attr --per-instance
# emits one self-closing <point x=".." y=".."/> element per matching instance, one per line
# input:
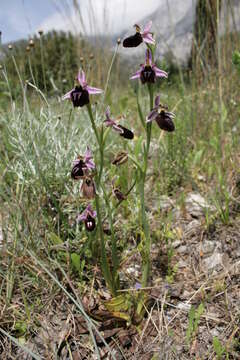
<point x="198" y="315"/>
<point x="190" y="324"/>
<point x="236" y="58"/>
<point x="76" y="263"/>
<point x="218" y="348"/>
<point x="20" y="327"/>
<point x="197" y="157"/>
<point x="55" y="239"/>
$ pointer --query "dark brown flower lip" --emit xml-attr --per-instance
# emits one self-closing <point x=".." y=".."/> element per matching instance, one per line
<point x="133" y="40"/>
<point x="127" y="134"/>
<point x="148" y="75"/>
<point x="79" y="96"/>
<point x="140" y="36"/>
<point x="165" y="122"/>
<point x="78" y="170"/>
<point x="90" y="223"/>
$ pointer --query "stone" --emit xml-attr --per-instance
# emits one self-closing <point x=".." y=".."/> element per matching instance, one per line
<point x="196" y="205"/>
<point x="214" y="332"/>
<point x="182" y="264"/>
<point x="191" y="227"/>
<point x="213" y="261"/>
<point x="183" y="249"/>
<point x="207" y="246"/>
<point x="176" y="214"/>
<point x="133" y="271"/>
<point x="176" y="244"/>
<point x="165" y="203"/>
<point x="183" y="306"/>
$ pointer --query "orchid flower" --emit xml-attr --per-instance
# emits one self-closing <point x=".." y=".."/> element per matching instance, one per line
<point x="82" y="165"/>
<point x="140" y="36"/>
<point x="148" y="71"/>
<point x="163" y="118"/>
<point x="88" y="216"/>
<point x="88" y="159"/>
<point x="124" y="132"/>
<point x="80" y="94"/>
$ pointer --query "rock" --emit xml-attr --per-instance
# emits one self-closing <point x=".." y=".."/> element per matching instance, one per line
<point x="196" y="204"/>
<point x="165" y="203"/>
<point x="214" y="332"/>
<point x="183" y="249"/>
<point x="207" y="246"/>
<point x="133" y="271"/>
<point x="183" y="306"/>
<point x="176" y="244"/>
<point x="191" y="227"/>
<point x="213" y="261"/>
<point x="176" y="214"/>
<point x="182" y="264"/>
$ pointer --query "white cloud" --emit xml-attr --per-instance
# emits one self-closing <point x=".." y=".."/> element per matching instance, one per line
<point x="100" y="16"/>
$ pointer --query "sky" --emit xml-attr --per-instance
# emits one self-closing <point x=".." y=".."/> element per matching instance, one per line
<point x="22" y="18"/>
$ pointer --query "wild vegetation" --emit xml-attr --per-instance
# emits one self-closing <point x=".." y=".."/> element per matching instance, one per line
<point x="55" y="298"/>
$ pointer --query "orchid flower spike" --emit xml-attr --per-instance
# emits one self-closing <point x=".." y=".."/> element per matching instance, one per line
<point x="162" y="116"/>
<point x="140" y="36"/>
<point x="80" y="94"/>
<point x="124" y="132"/>
<point x="149" y="71"/>
<point x="88" y="216"/>
<point x="82" y="165"/>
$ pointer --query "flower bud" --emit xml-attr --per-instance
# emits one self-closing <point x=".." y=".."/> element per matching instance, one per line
<point x="10" y="47"/>
<point x="118" y="194"/>
<point x="31" y="43"/>
<point x="120" y="158"/>
<point x="119" y="41"/>
<point x="88" y="188"/>
<point x="40" y="31"/>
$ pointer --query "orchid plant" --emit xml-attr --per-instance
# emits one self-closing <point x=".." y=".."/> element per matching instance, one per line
<point x="90" y="172"/>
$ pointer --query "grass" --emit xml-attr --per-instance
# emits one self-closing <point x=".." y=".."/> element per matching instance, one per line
<point x="48" y="262"/>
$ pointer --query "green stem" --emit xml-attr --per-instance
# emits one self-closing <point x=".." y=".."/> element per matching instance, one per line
<point x="31" y="70"/>
<point x="99" y="139"/>
<point x="89" y="108"/>
<point x="43" y="67"/>
<point x="145" y="225"/>
<point x="101" y="150"/>
<point x="140" y="113"/>
<point x="115" y="259"/>
<point x="104" y="262"/>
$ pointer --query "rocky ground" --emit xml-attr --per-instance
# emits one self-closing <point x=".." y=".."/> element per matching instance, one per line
<point x="205" y="268"/>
